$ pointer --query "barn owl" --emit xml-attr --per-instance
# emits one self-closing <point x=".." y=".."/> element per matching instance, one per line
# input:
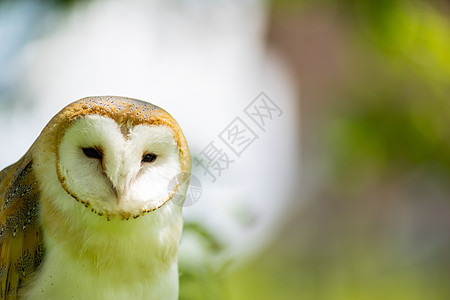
<point x="92" y="210"/>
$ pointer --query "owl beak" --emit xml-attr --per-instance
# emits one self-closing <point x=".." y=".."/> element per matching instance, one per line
<point x="119" y="194"/>
<point x="116" y="195"/>
<point x="118" y="186"/>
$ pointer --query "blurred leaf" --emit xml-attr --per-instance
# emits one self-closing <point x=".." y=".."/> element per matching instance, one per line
<point x="202" y="279"/>
<point x="213" y="243"/>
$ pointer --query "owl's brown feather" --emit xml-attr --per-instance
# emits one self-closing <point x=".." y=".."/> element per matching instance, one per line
<point x="20" y="233"/>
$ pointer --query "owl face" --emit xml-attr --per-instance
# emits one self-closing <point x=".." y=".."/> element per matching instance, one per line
<point x="116" y="157"/>
<point x="116" y="170"/>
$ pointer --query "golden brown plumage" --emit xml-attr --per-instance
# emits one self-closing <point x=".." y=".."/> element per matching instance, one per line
<point x="20" y="233"/>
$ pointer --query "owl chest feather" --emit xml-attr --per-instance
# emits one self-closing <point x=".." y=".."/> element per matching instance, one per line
<point x="119" y="260"/>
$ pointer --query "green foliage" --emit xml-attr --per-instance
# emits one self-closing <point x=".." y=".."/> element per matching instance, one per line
<point x="390" y="132"/>
<point x="413" y="32"/>
<point x="390" y="118"/>
<point x="396" y="111"/>
<point x="203" y="278"/>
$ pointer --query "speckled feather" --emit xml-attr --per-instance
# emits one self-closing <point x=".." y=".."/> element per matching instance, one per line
<point x="21" y="240"/>
<point x="20" y="233"/>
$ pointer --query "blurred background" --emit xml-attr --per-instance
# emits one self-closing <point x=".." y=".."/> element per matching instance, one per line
<point x="363" y="88"/>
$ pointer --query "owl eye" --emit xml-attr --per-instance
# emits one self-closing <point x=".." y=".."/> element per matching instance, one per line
<point x="93" y="153"/>
<point x="149" y="158"/>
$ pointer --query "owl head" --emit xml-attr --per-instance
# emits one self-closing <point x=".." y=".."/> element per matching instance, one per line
<point x="116" y="157"/>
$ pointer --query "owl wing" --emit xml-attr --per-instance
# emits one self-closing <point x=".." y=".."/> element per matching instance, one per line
<point x="21" y="247"/>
